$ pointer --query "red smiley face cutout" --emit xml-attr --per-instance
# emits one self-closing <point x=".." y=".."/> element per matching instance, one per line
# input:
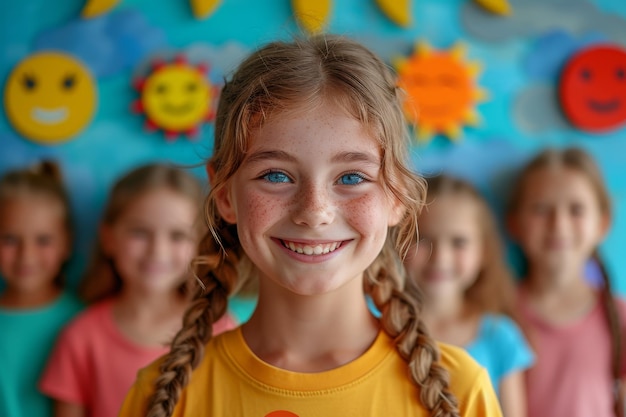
<point x="592" y="89"/>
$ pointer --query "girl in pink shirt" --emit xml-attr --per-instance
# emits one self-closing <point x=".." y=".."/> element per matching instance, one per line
<point x="138" y="286"/>
<point x="559" y="214"/>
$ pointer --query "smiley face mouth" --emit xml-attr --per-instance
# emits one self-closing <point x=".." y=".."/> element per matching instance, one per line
<point x="604" y="106"/>
<point x="178" y="110"/>
<point x="49" y="117"/>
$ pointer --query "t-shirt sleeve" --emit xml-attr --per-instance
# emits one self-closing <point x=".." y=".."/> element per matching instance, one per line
<point x="482" y="400"/>
<point x="470" y="383"/>
<point x="136" y="401"/>
<point x="65" y="377"/>
<point x="515" y="352"/>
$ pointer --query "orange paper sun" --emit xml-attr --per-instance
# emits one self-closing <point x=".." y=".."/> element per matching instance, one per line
<point x="176" y="98"/>
<point x="441" y="91"/>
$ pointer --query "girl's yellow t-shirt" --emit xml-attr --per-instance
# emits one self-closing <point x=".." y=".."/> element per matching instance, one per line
<point x="232" y="381"/>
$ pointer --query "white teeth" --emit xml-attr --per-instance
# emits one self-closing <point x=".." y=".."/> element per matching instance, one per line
<point x="49" y="117"/>
<point x="312" y="250"/>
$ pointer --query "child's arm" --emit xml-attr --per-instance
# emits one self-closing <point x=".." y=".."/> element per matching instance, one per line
<point x="63" y="409"/>
<point x="513" y="395"/>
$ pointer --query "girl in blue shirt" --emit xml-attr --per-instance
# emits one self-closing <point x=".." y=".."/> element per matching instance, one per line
<point x="469" y="291"/>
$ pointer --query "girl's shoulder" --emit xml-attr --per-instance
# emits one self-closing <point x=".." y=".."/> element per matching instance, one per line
<point x="498" y="325"/>
<point x="64" y="307"/>
<point x="500" y="333"/>
<point x="89" y="321"/>
<point x="469" y="381"/>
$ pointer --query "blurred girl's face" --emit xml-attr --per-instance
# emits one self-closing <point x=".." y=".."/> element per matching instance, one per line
<point x="34" y="242"/>
<point x="449" y="256"/>
<point x="153" y="241"/>
<point x="559" y="221"/>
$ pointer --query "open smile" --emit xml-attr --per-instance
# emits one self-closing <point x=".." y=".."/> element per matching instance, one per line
<point x="310" y="248"/>
<point x="49" y="117"/>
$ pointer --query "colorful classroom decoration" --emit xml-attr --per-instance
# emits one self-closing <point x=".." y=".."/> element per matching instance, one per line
<point x="399" y="11"/>
<point x="500" y="7"/>
<point x="50" y="97"/>
<point x="95" y="8"/>
<point x="441" y="91"/>
<point x="312" y="15"/>
<point x="204" y="8"/>
<point x="176" y="97"/>
<point x="592" y="88"/>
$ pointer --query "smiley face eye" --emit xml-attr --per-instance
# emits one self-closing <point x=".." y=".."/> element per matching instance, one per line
<point x="69" y="82"/>
<point x="29" y="82"/>
<point x="191" y="87"/>
<point x="586" y="75"/>
<point x="161" y="89"/>
<point x="620" y="74"/>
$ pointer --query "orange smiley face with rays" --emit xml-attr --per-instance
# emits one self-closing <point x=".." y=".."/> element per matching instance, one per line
<point x="593" y="88"/>
<point x="441" y="91"/>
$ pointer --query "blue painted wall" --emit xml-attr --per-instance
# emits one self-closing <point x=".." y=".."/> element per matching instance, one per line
<point x="521" y="56"/>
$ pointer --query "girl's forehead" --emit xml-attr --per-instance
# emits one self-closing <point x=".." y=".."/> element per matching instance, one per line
<point x="558" y="183"/>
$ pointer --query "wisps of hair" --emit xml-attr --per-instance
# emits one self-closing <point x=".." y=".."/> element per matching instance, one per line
<point x="296" y="76"/>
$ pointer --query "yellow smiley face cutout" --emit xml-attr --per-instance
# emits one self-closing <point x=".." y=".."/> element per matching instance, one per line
<point x="50" y="97"/>
<point x="176" y="98"/>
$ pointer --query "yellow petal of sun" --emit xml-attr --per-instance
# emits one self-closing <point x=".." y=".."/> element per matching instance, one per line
<point x="399" y="11"/>
<point x="501" y="7"/>
<point x="203" y="8"/>
<point x="312" y="15"/>
<point x="95" y="8"/>
<point x="441" y="91"/>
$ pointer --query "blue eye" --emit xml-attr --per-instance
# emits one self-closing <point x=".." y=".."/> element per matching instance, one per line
<point x="276" y="176"/>
<point x="351" y="179"/>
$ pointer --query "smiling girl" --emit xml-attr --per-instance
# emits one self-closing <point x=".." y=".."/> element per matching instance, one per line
<point x="138" y="286"/>
<point x="310" y="184"/>
<point x="35" y="243"/>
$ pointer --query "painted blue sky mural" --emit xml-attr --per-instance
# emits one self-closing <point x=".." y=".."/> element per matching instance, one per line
<point x="521" y="57"/>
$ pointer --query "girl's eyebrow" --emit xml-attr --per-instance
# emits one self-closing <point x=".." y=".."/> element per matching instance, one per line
<point x="270" y="155"/>
<point x="365" y="157"/>
<point x="341" y="157"/>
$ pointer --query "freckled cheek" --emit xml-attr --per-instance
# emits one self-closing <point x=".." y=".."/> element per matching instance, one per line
<point x="261" y="209"/>
<point x="366" y="211"/>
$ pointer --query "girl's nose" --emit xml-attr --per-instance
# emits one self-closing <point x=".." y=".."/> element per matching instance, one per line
<point x="558" y="220"/>
<point x="26" y="251"/>
<point x="313" y="206"/>
<point x="159" y="245"/>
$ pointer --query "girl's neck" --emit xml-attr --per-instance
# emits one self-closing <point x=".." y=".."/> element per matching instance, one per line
<point x="149" y="320"/>
<point x="562" y="300"/>
<point x="452" y="322"/>
<point x="311" y="333"/>
<point x="13" y="299"/>
<point x="139" y="304"/>
<point x="555" y="281"/>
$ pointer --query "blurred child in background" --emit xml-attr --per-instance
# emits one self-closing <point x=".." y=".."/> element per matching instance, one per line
<point x="138" y="287"/>
<point x="35" y="243"/>
<point x="460" y="266"/>
<point x="559" y="214"/>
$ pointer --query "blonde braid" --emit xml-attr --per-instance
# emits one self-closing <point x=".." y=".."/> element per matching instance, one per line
<point x="217" y="275"/>
<point x="401" y="310"/>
